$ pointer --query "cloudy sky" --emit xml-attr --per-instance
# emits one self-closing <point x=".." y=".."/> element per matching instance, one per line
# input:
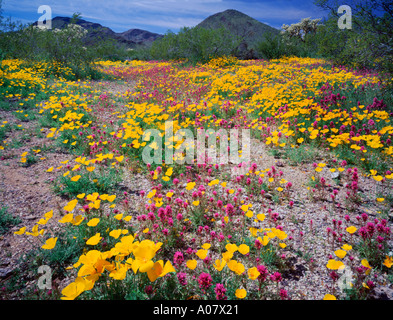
<point x="162" y="15"/>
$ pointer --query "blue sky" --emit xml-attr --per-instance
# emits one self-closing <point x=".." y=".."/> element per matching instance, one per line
<point x="163" y="15"/>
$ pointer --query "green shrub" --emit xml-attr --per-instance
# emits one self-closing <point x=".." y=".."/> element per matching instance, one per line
<point x="7" y="220"/>
<point x="368" y="44"/>
<point x="194" y="44"/>
<point x="271" y="47"/>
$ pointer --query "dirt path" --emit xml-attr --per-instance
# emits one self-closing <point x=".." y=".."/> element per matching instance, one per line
<point x="25" y="191"/>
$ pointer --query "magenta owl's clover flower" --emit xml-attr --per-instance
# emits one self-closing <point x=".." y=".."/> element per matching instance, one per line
<point x="182" y="277"/>
<point x="283" y="294"/>
<point x="263" y="273"/>
<point x="276" y="276"/>
<point x="221" y="237"/>
<point x="380" y="228"/>
<point x="220" y="292"/>
<point x="370" y="228"/>
<point x="254" y="167"/>
<point x="149" y="289"/>
<point x="334" y="275"/>
<point x="370" y="284"/>
<point x="205" y="280"/>
<point x="363" y="233"/>
<point x="178" y="258"/>
<point x="230" y="209"/>
<point x="151" y="216"/>
<point x="207" y="260"/>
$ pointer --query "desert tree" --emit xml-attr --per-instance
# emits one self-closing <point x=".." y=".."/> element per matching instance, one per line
<point x="369" y="43"/>
<point x="301" y="29"/>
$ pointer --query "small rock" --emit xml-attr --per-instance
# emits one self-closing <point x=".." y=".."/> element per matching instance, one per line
<point x="5" y="262"/>
<point x="335" y="174"/>
<point x="5" y="272"/>
<point x="383" y="293"/>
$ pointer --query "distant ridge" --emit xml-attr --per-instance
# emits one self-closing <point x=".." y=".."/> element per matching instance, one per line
<point x="140" y="36"/>
<point x="96" y="31"/>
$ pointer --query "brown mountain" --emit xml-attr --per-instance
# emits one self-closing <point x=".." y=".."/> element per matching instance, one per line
<point x="238" y="24"/>
<point x="245" y="28"/>
<point x="139" y="36"/>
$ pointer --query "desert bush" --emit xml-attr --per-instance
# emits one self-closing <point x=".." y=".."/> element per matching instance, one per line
<point x="271" y="47"/>
<point x="368" y="44"/>
<point x="194" y="44"/>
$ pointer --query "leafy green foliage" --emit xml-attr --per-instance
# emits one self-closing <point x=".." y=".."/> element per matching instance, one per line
<point x="103" y="182"/>
<point x="368" y="44"/>
<point x="194" y="44"/>
<point x="7" y="220"/>
<point x="271" y="47"/>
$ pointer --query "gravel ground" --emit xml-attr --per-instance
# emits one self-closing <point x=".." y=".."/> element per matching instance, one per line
<point x="27" y="194"/>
